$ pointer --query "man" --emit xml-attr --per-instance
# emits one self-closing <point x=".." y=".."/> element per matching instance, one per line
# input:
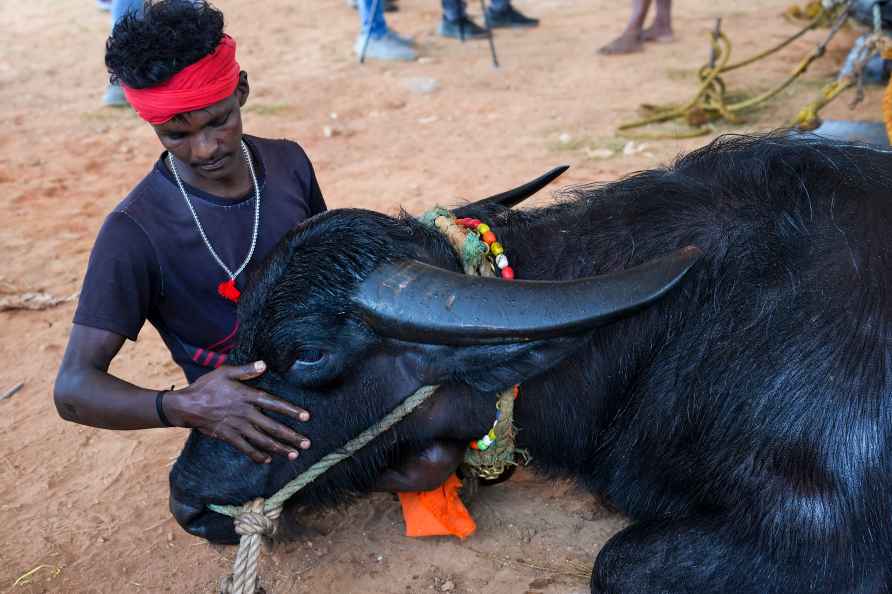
<point x="179" y="249"/>
<point x="635" y="34"/>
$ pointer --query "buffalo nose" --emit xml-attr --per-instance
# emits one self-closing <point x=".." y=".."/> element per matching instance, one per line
<point x="185" y="514"/>
<point x="199" y="521"/>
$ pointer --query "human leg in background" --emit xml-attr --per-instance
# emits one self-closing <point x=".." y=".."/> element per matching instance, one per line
<point x="456" y="24"/>
<point x="501" y="14"/>
<point x="387" y="5"/>
<point x="383" y="43"/>
<point x="114" y="95"/>
<point x="630" y="40"/>
<point x="661" y="29"/>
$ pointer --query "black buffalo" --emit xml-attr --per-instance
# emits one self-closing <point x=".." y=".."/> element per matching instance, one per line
<point x="743" y="421"/>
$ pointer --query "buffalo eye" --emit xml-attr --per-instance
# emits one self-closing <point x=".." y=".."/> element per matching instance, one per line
<point x="312" y="367"/>
<point x="308" y="356"/>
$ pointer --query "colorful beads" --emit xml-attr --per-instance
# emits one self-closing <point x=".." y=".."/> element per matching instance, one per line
<point x="496" y="249"/>
<point x="490" y="438"/>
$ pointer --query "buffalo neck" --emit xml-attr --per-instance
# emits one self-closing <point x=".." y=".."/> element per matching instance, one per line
<point x="593" y="386"/>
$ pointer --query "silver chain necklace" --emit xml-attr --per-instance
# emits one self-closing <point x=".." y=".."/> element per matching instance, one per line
<point x="204" y="237"/>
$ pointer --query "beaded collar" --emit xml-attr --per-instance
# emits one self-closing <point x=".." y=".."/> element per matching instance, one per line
<point x="482" y="255"/>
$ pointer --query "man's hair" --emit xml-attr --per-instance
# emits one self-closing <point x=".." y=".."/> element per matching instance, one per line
<point x="144" y="50"/>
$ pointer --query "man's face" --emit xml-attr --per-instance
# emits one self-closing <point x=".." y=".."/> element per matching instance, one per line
<point x="208" y="140"/>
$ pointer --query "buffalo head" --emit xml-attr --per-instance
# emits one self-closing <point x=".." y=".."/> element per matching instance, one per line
<point x="355" y="311"/>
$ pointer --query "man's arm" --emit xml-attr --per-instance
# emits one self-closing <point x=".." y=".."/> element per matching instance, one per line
<point x="217" y="404"/>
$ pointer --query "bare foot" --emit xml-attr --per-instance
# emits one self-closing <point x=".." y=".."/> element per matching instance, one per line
<point x="658" y="34"/>
<point x="626" y="43"/>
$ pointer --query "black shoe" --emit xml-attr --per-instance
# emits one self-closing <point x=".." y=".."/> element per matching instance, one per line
<point x="388" y="6"/>
<point x="509" y="18"/>
<point x="463" y="28"/>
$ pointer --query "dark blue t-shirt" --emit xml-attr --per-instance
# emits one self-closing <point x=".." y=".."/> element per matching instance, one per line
<point x="150" y="263"/>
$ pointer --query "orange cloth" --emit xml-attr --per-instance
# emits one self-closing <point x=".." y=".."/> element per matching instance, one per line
<point x="437" y="513"/>
<point x="887" y="103"/>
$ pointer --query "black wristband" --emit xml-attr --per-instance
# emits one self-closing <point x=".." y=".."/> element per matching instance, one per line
<point x="159" y="408"/>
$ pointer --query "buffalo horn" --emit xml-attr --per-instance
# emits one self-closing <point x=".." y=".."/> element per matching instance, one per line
<point x="514" y="197"/>
<point x="418" y="302"/>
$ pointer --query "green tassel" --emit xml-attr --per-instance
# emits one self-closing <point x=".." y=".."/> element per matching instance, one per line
<point x="428" y="218"/>
<point x="473" y="251"/>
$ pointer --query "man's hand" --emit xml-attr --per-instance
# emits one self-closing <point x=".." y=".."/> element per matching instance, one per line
<point x="219" y="405"/>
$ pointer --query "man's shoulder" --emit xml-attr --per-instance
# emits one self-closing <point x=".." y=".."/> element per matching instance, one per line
<point x="139" y="197"/>
<point x="151" y="202"/>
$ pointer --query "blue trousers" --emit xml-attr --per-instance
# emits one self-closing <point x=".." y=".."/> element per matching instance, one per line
<point x="455" y="9"/>
<point x="373" y="23"/>
<point x="121" y="7"/>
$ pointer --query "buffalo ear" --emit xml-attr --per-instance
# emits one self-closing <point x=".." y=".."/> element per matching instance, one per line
<point x="491" y="368"/>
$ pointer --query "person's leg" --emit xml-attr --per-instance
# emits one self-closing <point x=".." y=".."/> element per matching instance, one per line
<point x="501" y="14"/>
<point x="114" y="95"/>
<point x="661" y="29"/>
<point x="453" y="10"/>
<point x="371" y="23"/>
<point x="456" y="24"/>
<point x="119" y="8"/>
<point x="630" y="40"/>
<point x="383" y="44"/>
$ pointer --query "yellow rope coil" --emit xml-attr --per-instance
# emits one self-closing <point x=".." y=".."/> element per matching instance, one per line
<point x="710" y="101"/>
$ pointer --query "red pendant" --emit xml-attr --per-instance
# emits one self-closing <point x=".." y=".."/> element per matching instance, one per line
<point x="228" y="290"/>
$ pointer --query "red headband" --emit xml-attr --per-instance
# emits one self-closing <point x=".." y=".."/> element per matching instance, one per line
<point x="211" y="79"/>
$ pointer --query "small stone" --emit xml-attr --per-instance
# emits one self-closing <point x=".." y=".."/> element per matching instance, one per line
<point x="333" y="115"/>
<point x="633" y="148"/>
<point x="423" y="85"/>
<point x="328" y="131"/>
<point x="564" y="138"/>
<point x="601" y="153"/>
<point x="447" y="586"/>
<point x="379" y="558"/>
<point x="427" y="120"/>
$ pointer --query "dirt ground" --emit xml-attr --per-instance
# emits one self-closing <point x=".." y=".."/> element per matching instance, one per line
<point x="89" y="507"/>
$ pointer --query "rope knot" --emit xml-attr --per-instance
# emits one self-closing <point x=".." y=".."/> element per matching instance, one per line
<point x="252" y="522"/>
<point x="248" y="523"/>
